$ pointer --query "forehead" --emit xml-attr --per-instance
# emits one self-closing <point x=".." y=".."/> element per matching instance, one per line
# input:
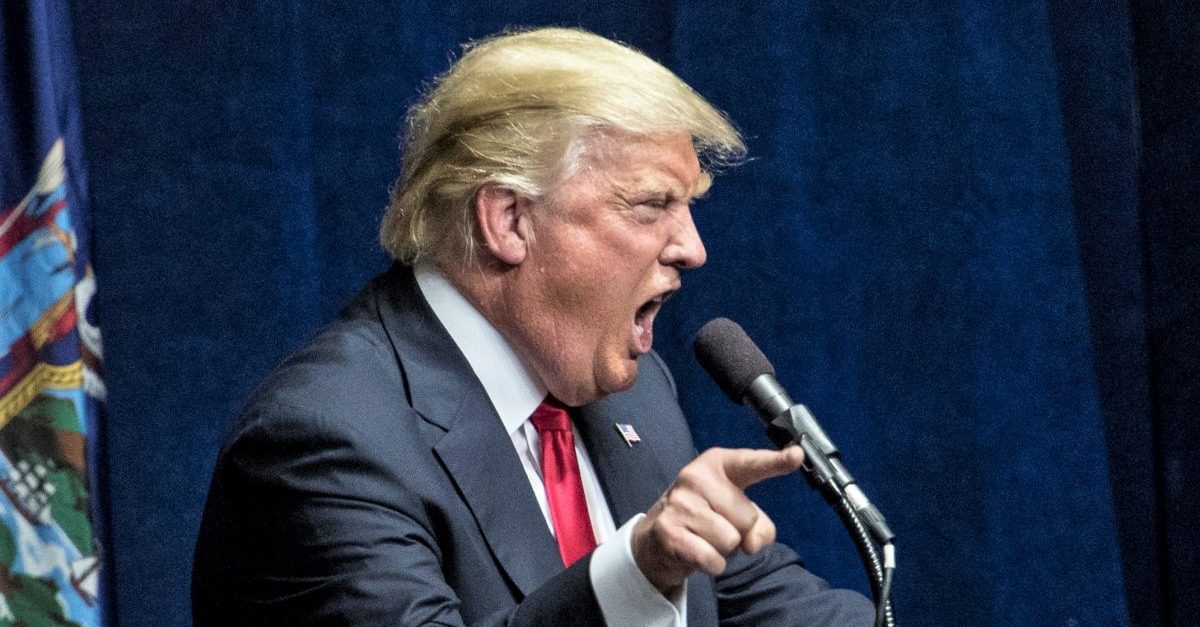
<point x="660" y="163"/>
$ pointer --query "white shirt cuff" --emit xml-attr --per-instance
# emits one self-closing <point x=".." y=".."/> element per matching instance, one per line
<point x="626" y="597"/>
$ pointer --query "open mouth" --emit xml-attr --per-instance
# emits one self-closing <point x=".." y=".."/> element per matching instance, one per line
<point x="643" y="321"/>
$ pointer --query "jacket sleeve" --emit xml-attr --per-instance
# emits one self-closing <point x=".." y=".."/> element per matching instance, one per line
<point x="773" y="588"/>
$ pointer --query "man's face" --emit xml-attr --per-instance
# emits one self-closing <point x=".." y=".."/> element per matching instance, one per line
<point x="607" y="248"/>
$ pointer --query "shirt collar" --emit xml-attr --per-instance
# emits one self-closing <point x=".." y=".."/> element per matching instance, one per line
<point x="514" y="391"/>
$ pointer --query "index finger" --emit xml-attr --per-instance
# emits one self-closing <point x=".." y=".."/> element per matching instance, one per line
<point x="746" y="467"/>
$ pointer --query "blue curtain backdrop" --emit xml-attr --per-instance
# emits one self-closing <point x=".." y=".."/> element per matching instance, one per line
<point x="964" y="240"/>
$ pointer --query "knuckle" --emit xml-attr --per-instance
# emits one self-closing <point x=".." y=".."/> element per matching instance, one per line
<point x="676" y="505"/>
<point x="665" y="526"/>
<point x="690" y="503"/>
<point x="746" y="519"/>
<point x="727" y="542"/>
<point x="690" y="476"/>
<point x="753" y="513"/>
<point x="675" y="544"/>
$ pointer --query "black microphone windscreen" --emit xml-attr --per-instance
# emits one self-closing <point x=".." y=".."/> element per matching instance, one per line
<point x="730" y="357"/>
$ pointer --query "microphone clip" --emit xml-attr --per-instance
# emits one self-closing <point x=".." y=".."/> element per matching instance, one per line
<point x="792" y="423"/>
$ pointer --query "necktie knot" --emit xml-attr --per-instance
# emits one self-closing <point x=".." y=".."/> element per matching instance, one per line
<point x="551" y="415"/>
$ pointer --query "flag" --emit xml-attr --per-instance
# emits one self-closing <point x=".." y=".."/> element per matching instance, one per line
<point x="627" y="432"/>
<point x="49" y="347"/>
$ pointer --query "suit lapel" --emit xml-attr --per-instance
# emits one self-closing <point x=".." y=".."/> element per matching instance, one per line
<point x="479" y="457"/>
<point x="632" y="476"/>
<point x="475" y="450"/>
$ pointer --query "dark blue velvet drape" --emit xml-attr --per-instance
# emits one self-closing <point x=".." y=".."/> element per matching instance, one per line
<point x="944" y="242"/>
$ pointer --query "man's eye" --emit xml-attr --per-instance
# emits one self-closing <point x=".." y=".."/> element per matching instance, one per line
<point x="655" y="203"/>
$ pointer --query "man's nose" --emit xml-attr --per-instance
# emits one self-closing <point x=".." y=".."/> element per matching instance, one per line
<point x="685" y="249"/>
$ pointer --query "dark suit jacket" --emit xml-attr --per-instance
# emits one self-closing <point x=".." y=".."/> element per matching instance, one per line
<point x="372" y="483"/>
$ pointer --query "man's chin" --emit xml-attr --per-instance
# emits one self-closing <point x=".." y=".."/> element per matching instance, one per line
<point x="621" y="378"/>
<point x="608" y="381"/>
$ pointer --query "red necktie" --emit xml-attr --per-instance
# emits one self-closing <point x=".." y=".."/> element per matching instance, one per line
<point x="564" y="488"/>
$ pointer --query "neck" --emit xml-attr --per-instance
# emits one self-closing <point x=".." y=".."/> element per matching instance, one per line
<point x="484" y="286"/>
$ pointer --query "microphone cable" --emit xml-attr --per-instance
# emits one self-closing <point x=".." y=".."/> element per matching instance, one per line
<point x="880" y="571"/>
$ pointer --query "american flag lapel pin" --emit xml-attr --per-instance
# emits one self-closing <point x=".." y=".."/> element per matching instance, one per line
<point x="627" y="431"/>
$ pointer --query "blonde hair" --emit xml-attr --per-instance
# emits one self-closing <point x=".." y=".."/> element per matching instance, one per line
<point x="514" y="111"/>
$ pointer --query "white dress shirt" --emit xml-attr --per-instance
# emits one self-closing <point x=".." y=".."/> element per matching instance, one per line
<point x="626" y="597"/>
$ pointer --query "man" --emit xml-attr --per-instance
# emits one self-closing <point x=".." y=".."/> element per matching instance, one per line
<point x="485" y="435"/>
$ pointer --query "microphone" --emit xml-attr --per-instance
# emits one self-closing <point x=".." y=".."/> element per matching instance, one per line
<point x="745" y="374"/>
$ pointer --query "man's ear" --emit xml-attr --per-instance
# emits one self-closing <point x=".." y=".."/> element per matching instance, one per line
<point x="503" y="222"/>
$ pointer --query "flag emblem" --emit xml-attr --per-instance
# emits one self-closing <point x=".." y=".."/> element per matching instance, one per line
<point x="628" y="433"/>
<point x="50" y="348"/>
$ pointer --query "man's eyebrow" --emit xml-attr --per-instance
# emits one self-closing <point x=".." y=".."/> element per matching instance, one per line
<point x="654" y="190"/>
<point x="668" y="190"/>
